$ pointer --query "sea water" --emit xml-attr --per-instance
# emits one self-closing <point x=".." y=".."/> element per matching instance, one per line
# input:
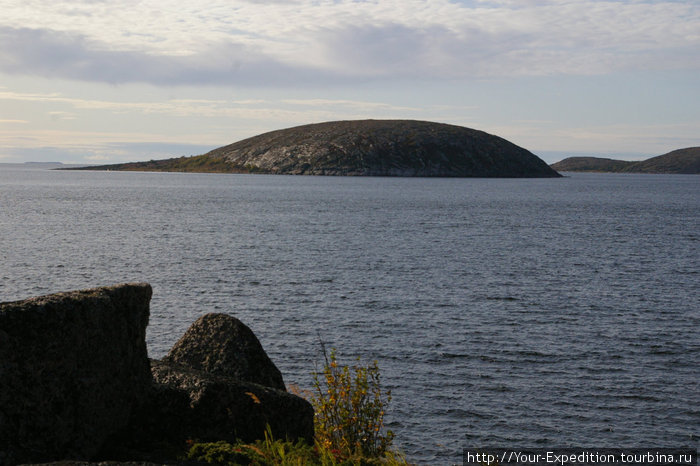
<point x="502" y="312"/>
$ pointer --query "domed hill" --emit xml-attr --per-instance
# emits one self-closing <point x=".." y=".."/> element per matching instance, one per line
<point x="681" y="161"/>
<point x="366" y="147"/>
<point x="383" y="147"/>
<point x="590" y="164"/>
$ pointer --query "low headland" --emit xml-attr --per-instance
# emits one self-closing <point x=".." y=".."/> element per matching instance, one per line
<point x="681" y="161"/>
<point x="363" y="148"/>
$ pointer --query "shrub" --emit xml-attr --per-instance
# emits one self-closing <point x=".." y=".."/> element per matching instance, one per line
<point x="350" y="407"/>
<point x="349" y="426"/>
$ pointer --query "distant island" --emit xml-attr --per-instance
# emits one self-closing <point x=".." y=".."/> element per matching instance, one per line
<point x="363" y="148"/>
<point x="681" y="161"/>
<point x="41" y="165"/>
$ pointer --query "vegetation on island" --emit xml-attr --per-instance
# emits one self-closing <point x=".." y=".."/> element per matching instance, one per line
<point x="196" y="163"/>
<point x="349" y="406"/>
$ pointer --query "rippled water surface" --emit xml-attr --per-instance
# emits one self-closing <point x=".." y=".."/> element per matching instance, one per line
<point x="521" y="313"/>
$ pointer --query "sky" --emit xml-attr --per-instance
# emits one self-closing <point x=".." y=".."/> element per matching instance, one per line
<point x="108" y="81"/>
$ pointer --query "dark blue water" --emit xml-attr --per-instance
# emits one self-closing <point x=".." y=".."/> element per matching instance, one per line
<point x="522" y="313"/>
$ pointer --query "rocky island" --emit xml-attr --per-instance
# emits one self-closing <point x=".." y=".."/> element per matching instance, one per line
<point x="681" y="161"/>
<point x="363" y="148"/>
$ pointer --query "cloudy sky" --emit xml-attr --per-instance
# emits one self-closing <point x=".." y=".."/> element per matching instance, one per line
<point x="102" y="81"/>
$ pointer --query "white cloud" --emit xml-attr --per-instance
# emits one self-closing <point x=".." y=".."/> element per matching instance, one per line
<point x="352" y="104"/>
<point x="309" y="41"/>
<point x="252" y="109"/>
<point x="56" y="116"/>
<point x="97" y="158"/>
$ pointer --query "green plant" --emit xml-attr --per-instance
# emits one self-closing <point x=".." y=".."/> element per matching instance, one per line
<point x="219" y="453"/>
<point x="281" y="453"/>
<point x="267" y="451"/>
<point x="350" y="408"/>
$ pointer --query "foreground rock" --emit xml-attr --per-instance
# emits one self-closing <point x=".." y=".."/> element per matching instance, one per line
<point x="223" y="408"/>
<point x="216" y="383"/>
<point x="222" y="345"/>
<point x="72" y="368"/>
<point x="189" y="404"/>
<point x="364" y="147"/>
<point x="76" y="383"/>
